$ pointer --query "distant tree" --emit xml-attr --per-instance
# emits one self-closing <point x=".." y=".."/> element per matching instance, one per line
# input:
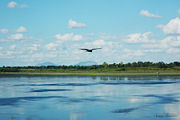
<point x="140" y="64"/>
<point x="121" y="64"/>
<point x="134" y="64"/>
<point x="161" y="65"/>
<point x="177" y="63"/>
<point x="105" y="65"/>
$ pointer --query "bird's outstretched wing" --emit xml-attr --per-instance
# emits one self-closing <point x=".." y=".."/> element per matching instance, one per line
<point x="96" y="48"/>
<point x="84" y="49"/>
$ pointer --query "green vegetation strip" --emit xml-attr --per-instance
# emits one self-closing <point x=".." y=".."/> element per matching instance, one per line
<point x="135" y="68"/>
<point x="85" y="73"/>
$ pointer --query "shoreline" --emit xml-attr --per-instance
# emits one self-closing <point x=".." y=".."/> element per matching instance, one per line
<point x="89" y="74"/>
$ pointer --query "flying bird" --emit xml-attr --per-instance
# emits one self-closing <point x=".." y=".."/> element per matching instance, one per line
<point x="90" y="50"/>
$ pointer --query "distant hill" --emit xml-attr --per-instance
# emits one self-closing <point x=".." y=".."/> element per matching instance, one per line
<point x="46" y="64"/>
<point x="86" y="63"/>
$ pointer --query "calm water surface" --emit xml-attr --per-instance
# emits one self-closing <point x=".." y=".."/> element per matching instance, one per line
<point x="89" y="97"/>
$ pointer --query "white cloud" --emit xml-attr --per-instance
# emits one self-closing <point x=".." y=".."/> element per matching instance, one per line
<point x="63" y="38"/>
<point x="156" y="50"/>
<point x="173" y="41"/>
<point x="109" y="48"/>
<point x="132" y="53"/>
<point x="173" y="27"/>
<point x="16" y="37"/>
<point x="34" y="47"/>
<point x="4" y="31"/>
<point x="148" y="14"/>
<point x="68" y="36"/>
<point x="37" y="56"/>
<point x="9" y="53"/>
<point x="1" y="48"/>
<point x="100" y="43"/>
<point x="12" y="4"/>
<point x="21" y="29"/>
<point x="138" y="38"/>
<point x="74" y="24"/>
<point x="169" y="44"/>
<point x="152" y="46"/>
<point x="6" y="56"/>
<point x="12" y="47"/>
<point x="173" y="50"/>
<point x="77" y="38"/>
<point x="21" y="37"/>
<point x="51" y="46"/>
<point x="129" y="54"/>
<point x="107" y="53"/>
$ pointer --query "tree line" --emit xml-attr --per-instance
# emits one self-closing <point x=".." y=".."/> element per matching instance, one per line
<point x="115" y="66"/>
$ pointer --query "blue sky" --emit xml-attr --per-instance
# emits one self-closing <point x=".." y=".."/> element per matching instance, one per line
<point x="36" y="31"/>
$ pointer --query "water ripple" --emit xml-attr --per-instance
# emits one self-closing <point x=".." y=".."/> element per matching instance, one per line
<point x="50" y="90"/>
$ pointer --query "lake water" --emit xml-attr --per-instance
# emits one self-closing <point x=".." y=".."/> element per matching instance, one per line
<point x="89" y="97"/>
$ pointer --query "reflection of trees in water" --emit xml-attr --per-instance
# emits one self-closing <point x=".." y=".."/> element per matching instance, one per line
<point x="131" y="77"/>
<point x="141" y="77"/>
<point x="93" y="77"/>
<point x="105" y="78"/>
